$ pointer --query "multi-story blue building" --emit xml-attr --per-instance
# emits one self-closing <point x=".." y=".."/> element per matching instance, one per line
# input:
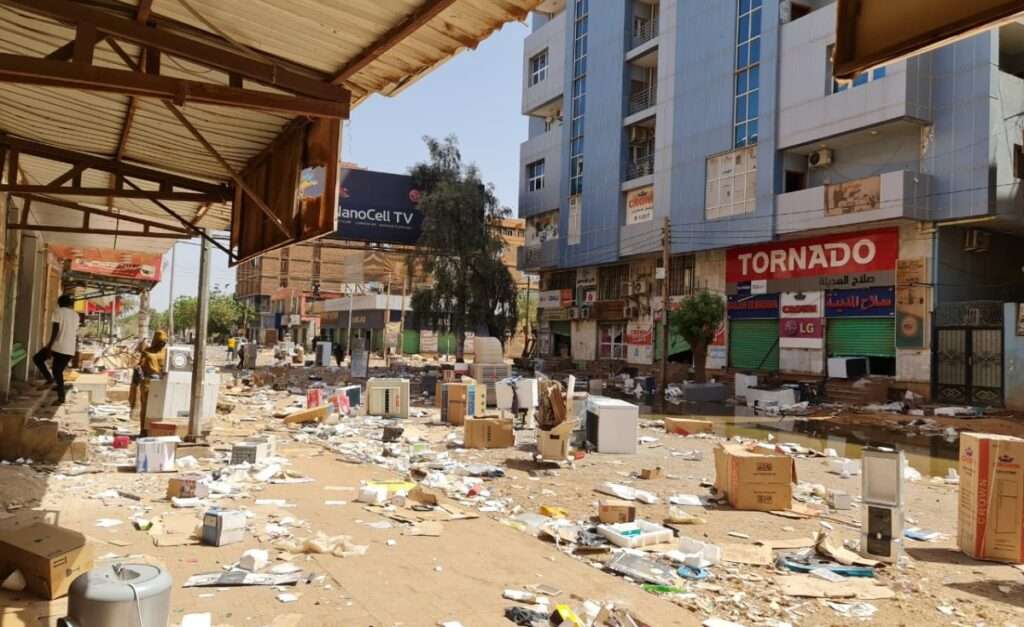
<point x="879" y="218"/>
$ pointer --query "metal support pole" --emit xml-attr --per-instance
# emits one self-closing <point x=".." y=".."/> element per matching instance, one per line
<point x="666" y="246"/>
<point x="401" y="314"/>
<point x="199" y="349"/>
<point x="170" y="299"/>
<point x="144" y="314"/>
<point x="348" y="342"/>
<point x="387" y="321"/>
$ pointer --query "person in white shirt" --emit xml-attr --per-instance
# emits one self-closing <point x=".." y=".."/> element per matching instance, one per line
<point x="61" y="347"/>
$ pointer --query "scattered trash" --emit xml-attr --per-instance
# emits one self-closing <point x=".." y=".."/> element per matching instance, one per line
<point x="855" y="610"/>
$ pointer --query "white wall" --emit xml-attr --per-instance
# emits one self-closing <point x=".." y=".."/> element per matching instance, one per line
<point x="584" y="340"/>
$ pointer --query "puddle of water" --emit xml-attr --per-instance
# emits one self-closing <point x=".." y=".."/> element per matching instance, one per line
<point x="929" y="454"/>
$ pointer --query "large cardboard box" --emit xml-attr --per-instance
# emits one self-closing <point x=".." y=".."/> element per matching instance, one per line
<point x="688" y="426"/>
<point x="489" y="433"/>
<point x="991" y="513"/>
<point x="757" y="479"/>
<point x="554" y="443"/>
<point x="50" y="557"/>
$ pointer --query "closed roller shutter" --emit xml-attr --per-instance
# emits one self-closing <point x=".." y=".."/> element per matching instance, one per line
<point x="561" y="327"/>
<point x="865" y="337"/>
<point x="754" y="344"/>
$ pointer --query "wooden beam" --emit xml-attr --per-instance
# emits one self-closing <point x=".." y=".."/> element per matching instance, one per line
<point x="239" y="181"/>
<point x="428" y="11"/>
<point x="104" y="192"/>
<point x="210" y="53"/>
<point x="36" y="71"/>
<point x="91" y="162"/>
<point x="85" y="43"/>
<point x="89" y="231"/>
<point x="124" y="217"/>
<point x="72" y="173"/>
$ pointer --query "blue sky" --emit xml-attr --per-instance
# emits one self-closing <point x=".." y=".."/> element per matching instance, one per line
<point x="477" y="96"/>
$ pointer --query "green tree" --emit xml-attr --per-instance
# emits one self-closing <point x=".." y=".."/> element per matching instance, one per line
<point x="697" y="320"/>
<point x="461" y="249"/>
<point x="226" y="315"/>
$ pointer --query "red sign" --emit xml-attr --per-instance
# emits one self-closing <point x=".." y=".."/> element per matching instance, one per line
<point x="123" y="264"/>
<point x="846" y="253"/>
<point x="801" y="332"/>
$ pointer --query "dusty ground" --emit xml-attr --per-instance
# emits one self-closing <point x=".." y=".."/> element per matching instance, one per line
<point x="461" y="574"/>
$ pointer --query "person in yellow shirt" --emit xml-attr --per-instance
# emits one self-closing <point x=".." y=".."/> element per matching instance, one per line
<point x="152" y="363"/>
<point x="232" y="345"/>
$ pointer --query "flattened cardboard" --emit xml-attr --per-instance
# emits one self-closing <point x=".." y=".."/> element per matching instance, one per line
<point x="614" y="511"/>
<point x="316" y="414"/>
<point x="758" y="480"/>
<point x="50" y="557"/>
<point x="489" y="433"/>
<point x="991" y="512"/>
<point x="687" y="426"/>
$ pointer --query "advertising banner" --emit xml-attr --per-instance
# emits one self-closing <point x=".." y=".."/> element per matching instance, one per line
<point x="551" y="299"/>
<point x="378" y="207"/>
<point x="120" y="264"/>
<point x="843" y="261"/>
<point x="640" y="205"/>
<point x="749" y="307"/>
<point x="802" y="305"/>
<point x="875" y="302"/>
<point x="640" y="343"/>
<point x="801" y="333"/>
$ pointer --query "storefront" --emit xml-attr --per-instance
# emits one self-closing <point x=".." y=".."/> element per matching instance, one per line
<point x="611" y="328"/>
<point x="793" y="304"/>
<point x="754" y="332"/>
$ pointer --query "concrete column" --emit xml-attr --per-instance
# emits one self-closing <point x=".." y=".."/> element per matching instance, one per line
<point x="26" y="316"/>
<point x="144" y="314"/>
<point x="199" y="349"/>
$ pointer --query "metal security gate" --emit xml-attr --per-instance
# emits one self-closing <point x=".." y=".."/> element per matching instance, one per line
<point x="866" y="337"/>
<point x="968" y="360"/>
<point x="754" y="344"/>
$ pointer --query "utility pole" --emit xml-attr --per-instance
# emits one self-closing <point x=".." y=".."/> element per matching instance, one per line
<point x="387" y="321"/>
<point x="199" y="349"/>
<point x="348" y="342"/>
<point x="401" y="318"/>
<point x="170" y="299"/>
<point x="526" y="331"/>
<point x="666" y="251"/>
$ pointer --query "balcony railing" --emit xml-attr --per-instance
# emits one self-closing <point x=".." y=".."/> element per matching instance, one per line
<point x="643" y="99"/>
<point x="644" y="31"/>
<point x="641" y="167"/>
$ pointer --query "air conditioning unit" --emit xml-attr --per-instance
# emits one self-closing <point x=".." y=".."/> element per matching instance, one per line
<point x="820" y="159"/>
<point x="584" y="313"/>
<point x="977" y="241"/>
<point x="639" y="134"/>
<point x="574" y="313"/>
<point x="632" y="312"/>
<point x="639" y="288"/>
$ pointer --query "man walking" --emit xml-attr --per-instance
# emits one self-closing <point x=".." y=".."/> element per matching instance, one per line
<point x="61" y="347"/>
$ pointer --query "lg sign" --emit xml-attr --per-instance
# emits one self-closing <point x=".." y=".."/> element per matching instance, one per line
<point x="838" y="254"/>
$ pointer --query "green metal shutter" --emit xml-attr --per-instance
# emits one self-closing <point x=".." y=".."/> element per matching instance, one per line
<point x="754" y="344"/>
<point x="561" y="327"/>
<point x="676" y="343"/>
<point x="867" y="337"/>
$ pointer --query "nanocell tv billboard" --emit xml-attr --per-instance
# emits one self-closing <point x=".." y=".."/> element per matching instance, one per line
<point x="378" y="207"/>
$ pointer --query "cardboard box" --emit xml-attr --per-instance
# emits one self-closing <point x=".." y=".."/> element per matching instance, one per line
<point x="651" y="473"/>
<point x="50" y="557"/>
<point x="187" y="486"/>
<point x="991" y="513"/>
<point x="758" y="479"/>
<point x="613" y="511"/>
<point x="222" y="526"/>
<point x="489" y="433"/>
<point x="162" y="429"/>
<point x="688" y="426"/>
<point x="554" y="444"/>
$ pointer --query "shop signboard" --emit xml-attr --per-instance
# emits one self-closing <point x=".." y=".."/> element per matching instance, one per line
<point x="609" y="310"/>
<point x="550" y="299"/>
<point x="801" y="333"/>
<point x="911" y="302"/>
<point x="836" y="262"/>
<point x="765" y="306"/>
<point x="802" y="305"/>
<point x="640" y="205"/>
<point x="378" y="207"/>
<point x="118" y="264"/>
<point x="640" y="343"/>
<point x="874" y="302"/>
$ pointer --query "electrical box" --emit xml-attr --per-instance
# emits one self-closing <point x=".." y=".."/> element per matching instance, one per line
<point x="882" y="496"/>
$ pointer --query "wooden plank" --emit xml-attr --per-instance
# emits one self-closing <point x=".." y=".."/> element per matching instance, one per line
<point x="131" y="219"/>
<point x="103" y="192"/>
<point x="211" y="53"/>
<point x="88" y="231"/>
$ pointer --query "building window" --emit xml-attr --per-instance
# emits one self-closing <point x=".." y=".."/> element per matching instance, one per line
<point x="682" y="275"/>
<point x="538" y="67"/>
<point x="862" y="78"/>
<point x="612" y="341"/>
<point x="748" y="73"/>
<point x="283" y="276"/>
<point x="535" y="176"/>
<point x="731" y="184"/>
<point x="613" y="282"/>
<point x="562" y="280"/>
<point x="575" y="235"/>
<point x="579" y="96"/>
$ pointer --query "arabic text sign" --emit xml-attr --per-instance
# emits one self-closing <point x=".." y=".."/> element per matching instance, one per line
<point x="871" y="302"/>
<point x="748" y="307"/>
<point x="844" y="261"/>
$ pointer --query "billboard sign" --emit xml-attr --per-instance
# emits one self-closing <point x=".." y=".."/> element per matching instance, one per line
<point x="870" y="302"/>
<point x="120" y="264"/>
<point x="378" y="207"/>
